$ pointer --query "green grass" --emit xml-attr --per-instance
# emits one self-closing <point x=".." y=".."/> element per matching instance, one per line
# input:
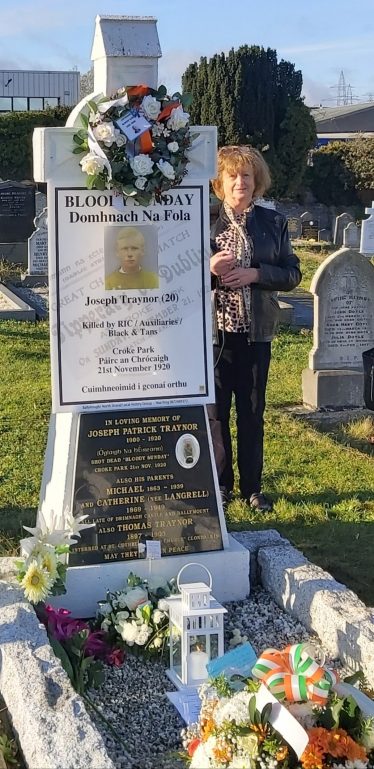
<point x="309" y="260"/>
<point x="321" y="481"/>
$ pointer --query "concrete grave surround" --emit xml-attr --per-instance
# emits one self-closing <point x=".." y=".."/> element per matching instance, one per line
<point x="54" y="729"/>
<point x="14" y="308"/>
<point x="343" y="289"/>
<point x="341" y="223"/>
<point x="351" y="235"/>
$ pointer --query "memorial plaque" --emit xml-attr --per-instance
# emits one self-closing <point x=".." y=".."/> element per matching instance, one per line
<point x="294" y="227"/>
<point x="309" y="230"/>
<point x="17" y="211"/>
<point x="137" y="336"/>
<point x="143" y="475"/>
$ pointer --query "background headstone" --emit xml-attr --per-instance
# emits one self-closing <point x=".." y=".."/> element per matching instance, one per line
<point x="17" y="211"/>
<point x="38" y="246"/>
<point x="341" y="223"/>
<point x="309" y="226"/>
<point x="294" y="227"/>
<point x="351" y="235"/>
<point x="343" y="289"/>
<point x="324" y="235"/>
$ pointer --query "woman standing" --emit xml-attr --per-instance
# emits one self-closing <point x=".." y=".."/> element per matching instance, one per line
<point x="251" y="259"/>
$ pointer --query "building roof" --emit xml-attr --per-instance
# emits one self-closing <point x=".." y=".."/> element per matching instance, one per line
<point x="330" y="113"/>
<point x="126" y="36"/>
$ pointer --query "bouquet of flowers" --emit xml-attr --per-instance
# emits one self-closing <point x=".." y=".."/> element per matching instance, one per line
<point x="137" y="142"/>
<point x="42" y="571"/>
<point x="138" y="614"/>
<point x="236" y="730"/>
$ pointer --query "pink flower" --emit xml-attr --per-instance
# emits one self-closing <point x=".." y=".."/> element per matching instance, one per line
<point x="59" y="623"/>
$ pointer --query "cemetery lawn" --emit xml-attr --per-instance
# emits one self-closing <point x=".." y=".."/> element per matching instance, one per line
<point x="322" y="485"/>
<point x="310" y="259"/>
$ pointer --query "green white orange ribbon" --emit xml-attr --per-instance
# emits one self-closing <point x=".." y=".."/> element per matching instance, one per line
<point x="293" y="675"/>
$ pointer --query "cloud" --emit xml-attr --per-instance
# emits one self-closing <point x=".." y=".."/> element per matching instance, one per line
<point x="173" y="64"/>
<point x="331" y="45"/>
<point x="316" y="93"/>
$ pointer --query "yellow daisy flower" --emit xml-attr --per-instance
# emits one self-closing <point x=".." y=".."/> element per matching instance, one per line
<point x="48" y="561"/>
<point x="36" y="583"/>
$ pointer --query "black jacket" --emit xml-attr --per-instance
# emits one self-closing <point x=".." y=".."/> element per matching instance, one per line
<point x="274" y="258"/>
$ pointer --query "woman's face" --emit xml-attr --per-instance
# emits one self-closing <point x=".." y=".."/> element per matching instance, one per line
<point x="238" y="188"/>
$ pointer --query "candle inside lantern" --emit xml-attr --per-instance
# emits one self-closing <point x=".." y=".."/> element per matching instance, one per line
<point x="197" y="664"/>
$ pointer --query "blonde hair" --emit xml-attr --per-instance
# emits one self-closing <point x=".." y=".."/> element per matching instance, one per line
<point x="131" y="232"/>
<point x="235" y="158"/>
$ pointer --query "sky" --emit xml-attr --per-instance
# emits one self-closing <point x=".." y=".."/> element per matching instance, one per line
<point x="321" y="38"/>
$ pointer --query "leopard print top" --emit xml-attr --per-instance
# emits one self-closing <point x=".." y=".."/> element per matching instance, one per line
<point x="233" y="305"/>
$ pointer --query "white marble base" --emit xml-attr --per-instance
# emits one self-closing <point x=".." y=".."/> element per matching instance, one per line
<point x="88" y="584"/>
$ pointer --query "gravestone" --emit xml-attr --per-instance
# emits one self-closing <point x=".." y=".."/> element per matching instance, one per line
<point x="294" y="227"/>
<point x="367" y="233"/>
<point x="17" y="211"/>
<point x="129" y="443"/>
<point x="343" y="289"/>
<point x="351" y="235"/>
<point x="341" y="223"/>
<point x="309" y="226"/>
<point x="324" y="235"/>
<point x="38" y="247"/>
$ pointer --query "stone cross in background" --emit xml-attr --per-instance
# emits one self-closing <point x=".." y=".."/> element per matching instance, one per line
<point x="367" y="232"/>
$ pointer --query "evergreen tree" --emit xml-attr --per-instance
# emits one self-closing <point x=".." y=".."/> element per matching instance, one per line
<point x="255" y="100"/>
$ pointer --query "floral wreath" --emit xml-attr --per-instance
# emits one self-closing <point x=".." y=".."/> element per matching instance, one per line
<point x="137" y="142"/>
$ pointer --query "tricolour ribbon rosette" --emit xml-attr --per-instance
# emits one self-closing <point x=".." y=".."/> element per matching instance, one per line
<point x="293" y="674"/>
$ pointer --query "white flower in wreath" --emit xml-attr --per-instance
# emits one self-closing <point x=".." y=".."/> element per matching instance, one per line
<point x="158" y="616"/>
<point x="120" y="139"/>
<point x="106" y="133"/>
<point x="92" y="164"/>
<point x="166" y="169"/>
<point x="142" y="165"/>
<point x="151" y="107"/>
<point x="128" y="632"/>
<point x="163" y="605"/>
<point x="135" y="597"/>
<point x="178" y="119"/>
<point x="157" y="130"/>
<point x="140" y="183"/>
<point x="173" y="146"/>
<point x="122" y="616"/>
<point x="143" y="634"/>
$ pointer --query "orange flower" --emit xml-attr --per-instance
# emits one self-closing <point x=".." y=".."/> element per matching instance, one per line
<point x="222" y="753"/>
<point x="341" y="745"/>
<point x="207" y="727"/>
<point x="282" y="753"/>
<point x="312" y="757"/>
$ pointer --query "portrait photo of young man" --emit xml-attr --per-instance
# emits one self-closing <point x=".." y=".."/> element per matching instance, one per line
<point x="131" y="258"/>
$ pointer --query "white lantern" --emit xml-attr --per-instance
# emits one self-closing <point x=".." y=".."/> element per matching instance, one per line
<point x="196" y="631"/>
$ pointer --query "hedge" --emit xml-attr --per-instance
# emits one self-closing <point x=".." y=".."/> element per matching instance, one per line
<point x="16" y="130"/>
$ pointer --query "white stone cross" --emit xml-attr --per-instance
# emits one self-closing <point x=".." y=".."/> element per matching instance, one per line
<point x="367" y="233"/>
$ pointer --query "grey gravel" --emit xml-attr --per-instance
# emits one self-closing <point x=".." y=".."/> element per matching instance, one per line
<point x="134" y="699"/>
<point x="36" y="297"/>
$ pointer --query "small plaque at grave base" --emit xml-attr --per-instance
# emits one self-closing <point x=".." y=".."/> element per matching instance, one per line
<point x="141" y="476"/>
